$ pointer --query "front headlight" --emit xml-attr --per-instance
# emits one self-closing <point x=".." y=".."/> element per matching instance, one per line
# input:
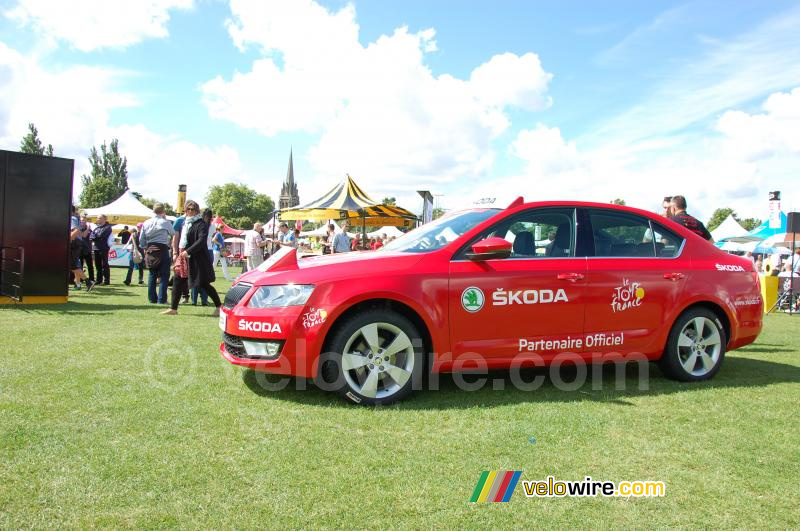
<point x="280" y="296"/>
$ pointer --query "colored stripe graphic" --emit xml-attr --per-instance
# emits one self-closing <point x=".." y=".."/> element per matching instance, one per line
<point x="498" y="497"/>
<point x="479" y="487"/>
<point x="498" y="480"/>
<point x="512" y="485"/>
<point x="487" y="486"/>
<point x="494" y="486"/>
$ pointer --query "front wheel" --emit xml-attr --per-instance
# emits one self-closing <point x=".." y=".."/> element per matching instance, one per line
<point x="696" y="347"/>
<point x="374" y="358"/>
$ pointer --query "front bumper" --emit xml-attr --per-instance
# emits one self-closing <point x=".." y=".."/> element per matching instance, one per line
<point x="294" y="328"/>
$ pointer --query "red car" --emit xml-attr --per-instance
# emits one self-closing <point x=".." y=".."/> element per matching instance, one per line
<point x="496" y="289"/>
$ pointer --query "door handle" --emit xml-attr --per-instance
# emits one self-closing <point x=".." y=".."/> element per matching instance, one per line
<point x="572" y="277"/>
<point x="674" y="276"/>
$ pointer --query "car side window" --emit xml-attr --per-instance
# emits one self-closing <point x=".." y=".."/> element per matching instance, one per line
<point x="667" y="243"/>
<point x="536" y="233"/>
<point x="619" y="234"/>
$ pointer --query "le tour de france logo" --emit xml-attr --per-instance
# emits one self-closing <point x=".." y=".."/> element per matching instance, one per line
<point x="472" y="299"/>
<point x="628" y="295"/>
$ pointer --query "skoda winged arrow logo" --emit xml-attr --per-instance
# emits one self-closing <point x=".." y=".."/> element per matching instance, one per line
<point x="472" y="299"/>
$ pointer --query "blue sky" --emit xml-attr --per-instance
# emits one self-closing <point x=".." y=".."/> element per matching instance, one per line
<point x="550" y="100"/>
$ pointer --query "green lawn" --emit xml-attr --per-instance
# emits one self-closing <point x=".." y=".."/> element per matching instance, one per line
<point x="112" y="415"/>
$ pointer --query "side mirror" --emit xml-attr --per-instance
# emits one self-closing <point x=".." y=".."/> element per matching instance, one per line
<point x="490" y="249"/>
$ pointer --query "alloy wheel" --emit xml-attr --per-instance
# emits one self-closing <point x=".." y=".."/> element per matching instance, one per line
<point x="699" y="346"/>
<point x="378" y="360"/>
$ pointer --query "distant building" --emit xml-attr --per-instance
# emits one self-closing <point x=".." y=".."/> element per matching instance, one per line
<point x="289" y="197"/>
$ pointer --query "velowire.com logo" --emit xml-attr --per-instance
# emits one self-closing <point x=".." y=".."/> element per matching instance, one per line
<point x="494" y="486"/>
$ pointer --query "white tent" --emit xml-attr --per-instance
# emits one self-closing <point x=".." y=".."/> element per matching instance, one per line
<point x="323" y="230"/>
<point x="729" y="228"/>
<point x="389" y="231"/>
<point x="733" y="246"/>
<point x="125" y="210"/>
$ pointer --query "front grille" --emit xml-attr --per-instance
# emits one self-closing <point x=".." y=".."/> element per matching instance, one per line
<point x="235" y="294"/>
<point x="234" y="345"/>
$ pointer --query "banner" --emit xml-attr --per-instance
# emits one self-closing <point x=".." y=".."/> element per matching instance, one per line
<point x="427" y="206"/>
<point x="774" y="210"/>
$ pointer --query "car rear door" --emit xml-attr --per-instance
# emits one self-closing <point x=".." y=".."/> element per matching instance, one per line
<point x="636" y="275"/>
<point x="530" y="303"/>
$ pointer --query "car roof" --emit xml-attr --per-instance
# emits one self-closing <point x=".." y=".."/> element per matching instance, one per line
<point x="519" y="205"/>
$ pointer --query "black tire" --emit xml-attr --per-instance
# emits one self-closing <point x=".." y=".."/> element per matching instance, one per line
<point x="395" y="376"/>
<point x="688" y="359"/>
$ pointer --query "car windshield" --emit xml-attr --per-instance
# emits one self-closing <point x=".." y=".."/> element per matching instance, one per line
<point x="440" y="232"/>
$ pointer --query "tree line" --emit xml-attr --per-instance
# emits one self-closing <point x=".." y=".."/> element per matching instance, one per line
<point x="238" y="204"/>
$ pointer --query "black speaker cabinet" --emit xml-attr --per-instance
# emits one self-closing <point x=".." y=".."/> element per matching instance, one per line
<point x="35" y="202"/>
<point x="793" y="222"/>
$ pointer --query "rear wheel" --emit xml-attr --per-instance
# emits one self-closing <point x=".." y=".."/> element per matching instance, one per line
<point x="374" y="358"/>
<point x="696" y="347"/>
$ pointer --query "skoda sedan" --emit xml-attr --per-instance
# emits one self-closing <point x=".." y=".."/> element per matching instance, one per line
<point x="496" y="289"/>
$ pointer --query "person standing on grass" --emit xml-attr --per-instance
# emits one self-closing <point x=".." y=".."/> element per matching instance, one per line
<point x="194" y="248"/>
<point x="86" y="251"/>
<point x="124" y="235"/>
<point x="133" y="246"/>
<point x="327" y="245"/>
<point x="254" y="244"/>
<point x="154" y="240"/>
<point x="286" y="238"/>
<point x="102" y="240"/>
<point x="218" y="250"/>
<point x="679" y="215"/>
<point x="176" y="240"/>
<point x="341" y="241"/>
<point x="75" y="251"/>
<point x="208" y="215"/>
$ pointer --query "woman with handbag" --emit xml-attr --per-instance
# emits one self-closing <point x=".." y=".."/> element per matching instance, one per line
<point x="136" y="258"/>
<point x="193" y="247"/>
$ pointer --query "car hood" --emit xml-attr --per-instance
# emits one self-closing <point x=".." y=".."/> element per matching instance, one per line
<point x="285" y="266"/>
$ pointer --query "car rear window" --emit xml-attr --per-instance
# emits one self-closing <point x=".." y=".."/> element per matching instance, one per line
<point x="622" y="235"/>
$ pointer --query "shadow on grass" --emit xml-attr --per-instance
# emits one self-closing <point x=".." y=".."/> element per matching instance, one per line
<point x="497" y="388"/>
<point x="85" y="308"/>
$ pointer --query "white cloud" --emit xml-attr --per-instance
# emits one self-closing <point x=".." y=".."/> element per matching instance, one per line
<point x="92" y="24"/>
<point x="759" y="136"/>
<point x="71" y="108"/>
<point x="67" y="105"/>
<point x="382" y="115"/>
<point x="750" y="155"/>
<point x="157" y="164"/>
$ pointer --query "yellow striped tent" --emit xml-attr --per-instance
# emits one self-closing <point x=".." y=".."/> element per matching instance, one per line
<point x="348" y="201"/>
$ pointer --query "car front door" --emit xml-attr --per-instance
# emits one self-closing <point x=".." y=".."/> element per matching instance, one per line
<point x="527" y="304"/>
<point x="635" y="277"/>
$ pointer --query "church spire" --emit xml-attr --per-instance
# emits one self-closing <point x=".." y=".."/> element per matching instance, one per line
<point x="290" y="171"/>
<point x="289" y="197"/>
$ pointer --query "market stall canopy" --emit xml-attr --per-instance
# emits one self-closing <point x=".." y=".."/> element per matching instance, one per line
<point x="729" y="228"/>
<point x="783" y="239"/>
<point x="764" y="231"/>
<point x="389" y="231"/>
<point x="125" y="210"/>
<point x="348" y="201"/>
<point x="219" y="222"/>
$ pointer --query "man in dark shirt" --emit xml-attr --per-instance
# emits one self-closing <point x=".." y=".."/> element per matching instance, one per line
<point x="102" y="238"/>
<point x="124" y="235"/>
<point x="680" y="216"/>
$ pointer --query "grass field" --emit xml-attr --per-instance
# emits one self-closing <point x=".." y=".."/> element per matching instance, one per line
<point x="112" y="415"/>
